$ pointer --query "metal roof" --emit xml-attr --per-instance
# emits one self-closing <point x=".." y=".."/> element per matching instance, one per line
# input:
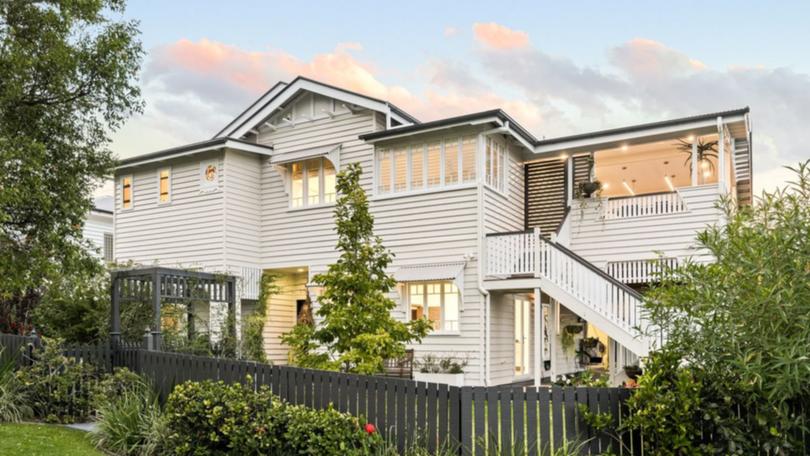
<point x="645" y="126"/>
<point x="202" y="146"/>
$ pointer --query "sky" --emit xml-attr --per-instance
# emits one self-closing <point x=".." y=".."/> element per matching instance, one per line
<point x="557" y="67"/>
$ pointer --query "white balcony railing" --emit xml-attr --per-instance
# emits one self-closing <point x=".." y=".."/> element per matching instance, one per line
<point x="527" y="253"/>
<point x="640" y="271"/>
<point x="644" y="205"/>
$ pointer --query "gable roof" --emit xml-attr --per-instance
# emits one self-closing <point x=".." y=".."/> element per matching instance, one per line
<point x="195" y="148"/>
<point x="280" y="93"/>
<point x="466" y="119"/>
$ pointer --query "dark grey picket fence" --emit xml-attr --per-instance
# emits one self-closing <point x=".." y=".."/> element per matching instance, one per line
<point x="508" y="420"/>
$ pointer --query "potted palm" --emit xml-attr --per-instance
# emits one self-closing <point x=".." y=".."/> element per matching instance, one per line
<point x="706" y="152"/>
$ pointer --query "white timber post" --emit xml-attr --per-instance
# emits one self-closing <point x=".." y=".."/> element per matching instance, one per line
<point x="538" y="244"/>
<point x="695" y="164"/>
<point x="538" y="337"/>
<point x="721" y="156"/>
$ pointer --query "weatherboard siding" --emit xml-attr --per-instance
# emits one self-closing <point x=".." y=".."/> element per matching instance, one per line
<point x="673" y="235"/>
<point x="243" y="194"/>
<point x="95" y="227"/>
<point x="423" y="228"/>
<point x="187" y="232"/>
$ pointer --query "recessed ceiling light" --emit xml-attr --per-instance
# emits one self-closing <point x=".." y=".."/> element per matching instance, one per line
<point x="624" y="147"/>
<point x="691" y="137"/>
<point x="300" y="269"/>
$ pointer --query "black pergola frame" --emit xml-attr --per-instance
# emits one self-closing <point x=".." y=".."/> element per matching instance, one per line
<point x="174" y="285"/>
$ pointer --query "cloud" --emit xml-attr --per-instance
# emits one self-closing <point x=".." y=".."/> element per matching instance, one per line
<point x="450" y="31"/>
<point x="643" y="58"/>
<point x="497" y="36"/>
<point x="193" y="88"/>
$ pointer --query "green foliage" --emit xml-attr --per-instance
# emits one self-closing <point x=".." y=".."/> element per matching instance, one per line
<point x="737" y="359"/>
<point x="111" y="386"/>
<point x="130" y="422"/>
<point x="76" y="308"/>
<point x="67" y="80"/>
<point x="357" y="332"/>
<point x="13" y="400"/>
<point x="58" y="388"/>
<point x="430" y="364"/>
<point x="324" y="432"/>
<point x="253" y="328"/>
<point x="217" y="418"/>
<point x="584" y="378"/>
<point x="666" y="408"/>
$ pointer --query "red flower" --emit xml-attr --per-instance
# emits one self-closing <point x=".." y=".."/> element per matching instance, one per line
<point x="370" y="428"/>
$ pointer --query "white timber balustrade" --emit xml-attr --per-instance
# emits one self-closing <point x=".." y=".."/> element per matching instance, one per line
<point x="251" y="282"/>
<point x="512" y="253"/>
<point x="644" y="205"/>
<point x="529" y="254"/>
<point x="641" y="271"/>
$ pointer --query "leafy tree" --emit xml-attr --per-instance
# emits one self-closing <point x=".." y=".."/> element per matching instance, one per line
<point x="67" y="80"/>
<point x="357" y="331"/>
<point x="737" y="359"/>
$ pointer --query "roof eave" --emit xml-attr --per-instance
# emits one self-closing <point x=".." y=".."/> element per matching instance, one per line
<point x="193" y="149"/>
<point x="691" y="125"/>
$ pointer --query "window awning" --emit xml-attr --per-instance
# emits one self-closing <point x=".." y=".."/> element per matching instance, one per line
<point x="432" y="272"/>
<point x="332" y="152"/>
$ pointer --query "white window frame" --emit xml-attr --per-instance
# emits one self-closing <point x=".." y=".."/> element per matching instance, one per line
<point x="305" y="184"/>
<point x="131" y="192"/>
<point x="169" y="194"/>
<point x="443" y="322"/>
<point x="500" y="155"/>
<point x="423" y="146"/>
<point x="108" y="254"/>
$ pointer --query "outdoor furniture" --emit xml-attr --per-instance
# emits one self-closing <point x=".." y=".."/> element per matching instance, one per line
<point x="400" y="367"/>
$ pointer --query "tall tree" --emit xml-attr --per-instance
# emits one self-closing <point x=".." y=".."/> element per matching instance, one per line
<point x="67" y="81"/>
<point x="356" y="332"/>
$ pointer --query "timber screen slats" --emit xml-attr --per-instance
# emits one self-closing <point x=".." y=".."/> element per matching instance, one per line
<point x="545" y="195"/>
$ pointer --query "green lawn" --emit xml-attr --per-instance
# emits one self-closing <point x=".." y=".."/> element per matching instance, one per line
<point x="42" y="440"/>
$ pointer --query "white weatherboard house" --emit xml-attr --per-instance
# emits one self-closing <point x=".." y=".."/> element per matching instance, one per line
<point x="494" y="241"/>
<point x="98" y="228"/>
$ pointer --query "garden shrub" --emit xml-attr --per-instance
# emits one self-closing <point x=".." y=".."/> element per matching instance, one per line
<point x="13" y="400"/>
<point x="59" y="388"/>
<point x="325" y="432"/>
<point x="216" y="418"/>
<point x="111" y="386"/>
<point x="736" y="363"/>
<point x="131" y="422"/>
<point x="213" y="418"/>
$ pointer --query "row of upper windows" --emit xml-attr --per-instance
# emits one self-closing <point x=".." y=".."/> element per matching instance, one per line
<point x="417" y="167"/>
<point x="209" y="181"/>
<point x="439" y="164"/>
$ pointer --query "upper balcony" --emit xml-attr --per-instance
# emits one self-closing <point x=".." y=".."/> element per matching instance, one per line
<point x="636" y="199"/>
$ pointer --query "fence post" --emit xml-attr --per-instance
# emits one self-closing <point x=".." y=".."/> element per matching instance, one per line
<point x="465" y="420"/>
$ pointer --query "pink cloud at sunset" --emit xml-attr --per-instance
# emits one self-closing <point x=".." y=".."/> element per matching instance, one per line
<point x="648" y="58"/>
<point x="498" y="36"/>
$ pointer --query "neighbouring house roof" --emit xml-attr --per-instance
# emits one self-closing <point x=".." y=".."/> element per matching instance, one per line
<point x="497" y="115"/>
<point x="103" y="204"/>
<point x="195" y="148"/>
<point x="682" y="121"/>
<point x="275" y="98"/>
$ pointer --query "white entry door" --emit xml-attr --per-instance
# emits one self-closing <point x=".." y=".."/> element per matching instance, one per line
<point x="523" y="321"/>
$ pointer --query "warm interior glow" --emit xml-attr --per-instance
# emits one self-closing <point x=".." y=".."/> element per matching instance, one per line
<point x="638" y="169"/>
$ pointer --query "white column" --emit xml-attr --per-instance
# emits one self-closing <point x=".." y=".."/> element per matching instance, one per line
<point x="538" y="337"/>
<point x="721" y="159"/>
<point x="552" y="340"/>
<point x="695" y="164"/>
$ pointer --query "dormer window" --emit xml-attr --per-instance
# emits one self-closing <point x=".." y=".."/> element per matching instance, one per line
<point x="126" y="192"/>
<point x="312" y="182"/>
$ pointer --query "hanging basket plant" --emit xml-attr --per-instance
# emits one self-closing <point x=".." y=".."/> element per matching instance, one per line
<point x="587" y="189"/>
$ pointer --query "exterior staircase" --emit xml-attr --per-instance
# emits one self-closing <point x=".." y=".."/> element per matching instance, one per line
<point x="577" y="284"/>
